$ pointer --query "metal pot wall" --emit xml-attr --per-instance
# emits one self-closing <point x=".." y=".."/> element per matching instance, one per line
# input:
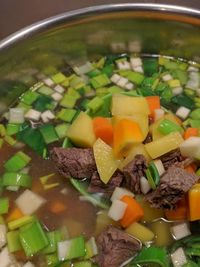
<point x="76" y="36"/>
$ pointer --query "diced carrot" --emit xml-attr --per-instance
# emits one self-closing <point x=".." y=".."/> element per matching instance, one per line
<point x="179" y="213"/>
<point x="126" y="134"/>
<point x="134" y="212"/>
<point x="194" y="203"/>
<point x="191" y="168"/>
<point x="154" y="103"/>
<point x="191" y="132"/>
<point x="103" y="129"/>
<point x="57" y="207"/>
<point x="14" y="214"/>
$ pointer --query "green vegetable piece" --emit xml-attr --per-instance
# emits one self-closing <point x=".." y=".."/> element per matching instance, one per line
<point x="115" y="89"/>
<point x="53" y="238"/>
<point x="154" y="172"/>
<point x="59" y="77"/>
<point x="73" y="93"/>
<point x="76" y="81"/>
<point x="100" y="92"/>
<point x="95" y="199"/>
<point x="66" y="115"/>
<point x="52" y="260"/>
<point x="45" y="90"/>
<point x="10" y="140"/>
<point x="12" y="128"/>
<point x="17" y="162"/>
<point x="190" y="93"/>
<point x="1" y="142"/>
<point x="100" y="81"/>
<point x="135" y="77"/>
<point x="190" y="264"/>
<point x="91" y="248"/>
<point x="195" y="114"/>
<point x="29" y="97"/>
<point x="61" y="130"/>
<point x="108" y="70"/>
<point x="171" y="65"/>
<point x="17" y="179"/>
<point x="167" y="126"/>
<point x="181" y="75"/>
<point x="76" y="248"/>
<point x="150" y="179"/>
<point x="68" y="101"/>
<point x="183" y="100"/>
<point x="94" y="73"/>
<point x="48" y="133"/>
<point x="24" y="106"/>
<point x="42" y="103"/>
<point x="195" y="123"/>
<point x="104" y="111"/>
<point x="66" y="143"/>
<point x="83" y="264"/>
<point x="33" y="238"/>
<point x="150" y="66"/>
<point x="95" y="104"/>
<point x="4" y="205"/>
<point x="174" y="83"/>
<point x="190" y="251"/>
<point x="13" y="241"/>
<point x="3" y="131"/>
<point x="151" y="255"/>
<point x="20" y="222"/>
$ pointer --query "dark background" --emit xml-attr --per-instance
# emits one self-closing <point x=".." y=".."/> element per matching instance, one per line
<point x="15" y="14"/>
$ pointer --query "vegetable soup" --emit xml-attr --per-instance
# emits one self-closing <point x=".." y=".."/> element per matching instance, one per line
<point x="100" y="166"/>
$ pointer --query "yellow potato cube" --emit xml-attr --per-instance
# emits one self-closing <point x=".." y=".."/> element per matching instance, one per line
<point x="140" y="232"/>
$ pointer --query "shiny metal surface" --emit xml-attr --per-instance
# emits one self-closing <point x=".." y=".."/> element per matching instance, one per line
<point x="78" y="35"/>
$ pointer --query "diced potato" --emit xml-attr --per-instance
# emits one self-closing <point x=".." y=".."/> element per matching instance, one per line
<point x="141" y="119"/>
<point x="102" y="221"/>
<point x="128" y="106"/>
<point x="140" y="232"/>
<point x="150" y="213"/>
<point x="136" y="149"/>
<point x="81" y="131"/>
<point x="162" y="233"/>
<point x="164" y="145"/>
<point x="105" y="161"/>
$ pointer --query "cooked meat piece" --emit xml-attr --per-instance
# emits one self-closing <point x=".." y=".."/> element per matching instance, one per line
<point x="171" y="158"/>
<point x="96" y="185"/>
<point x="74" y="162"/>
<point x="174" y="183"/>
<point x="115" y="247"/>
<point x="132" y="173"/>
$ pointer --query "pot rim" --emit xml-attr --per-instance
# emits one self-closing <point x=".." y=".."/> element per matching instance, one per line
<point x="99" y="9"/>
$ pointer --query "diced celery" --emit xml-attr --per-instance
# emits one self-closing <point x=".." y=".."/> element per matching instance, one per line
<point x="17" y="179"/>
<point x="10" y="140"/>
<point x="91" y="248"/>
<point x="24" y="106"/>
<point x="4" y="205"/>
<point x="53" y="238"/>
<point x="61" y="129"/>
<point x="12" y="128"/>
<point x="73" y="93"/>
<point x="167" y="126"/>
<point x="45" y="90"/>
<point x="48" y="133"/>
<point x="195" y="114"/>
<point x="29" y="97"/>
<point x="52" y="260"/>
<point x="20" y="222"/>
<point x="190" y="92"/>
<point x="174" y="83"/>
<point x="33" y="238"/>
<point x="195" y="123"/>
<point x="71" y="249"/>
<point x="115" y="89"/>
<point x="100" y="81"/>
<point x="68" y="101"/>
<point x="171" y="65"/>
<point x="108" y="70"/>
<point x="76" y="81"/>
<point x="135" y="77"/>
<point x="101" y="91"/>
<point x="150" y="66"/>
<point x="93" y="73"/>
<point x="13" y="241"/>
<point x="17" y="162"/>
<point x="66" y="115"/>
<point x="66" y="143"/>
<point x="2" y="130"/>
<point x="83" y="264"/>
<point x="65" y="83"/>
<point x="41" y="104"/>
<point x="59" y="77"/>
<point x="95" y="104"/>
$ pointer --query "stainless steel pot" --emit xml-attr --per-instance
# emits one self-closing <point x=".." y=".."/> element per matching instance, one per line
<point x="75" y="36"/>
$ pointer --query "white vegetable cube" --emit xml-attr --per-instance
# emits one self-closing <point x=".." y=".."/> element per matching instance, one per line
<point x="183" y="112"/>
<point x="135" y="62"/>
<point x="177" y="90"/>
<point x="180" y="230"/>
<point x="129" y="86"/>
<point x="33" y="114"/>
<point x="139" y="69"/>
<point x="28" y="202"/>
<point x="123" y="65"/>
<point x="48" y="82"/>
<point x="3" y="231"/>
<point x="29" y="264"/>
<point x="192" y="68"/>
<point x="158" y="114"/>
<point x="159" y="165"/>
<point x="167" y="77"/>
<point x="47" y="116"/>
<point x="191" y="147"/>
<point x="6" y="259"/>
<point x="178" y="258"/>
<point x="58" y="88"/>
<point x="115" y="78"/>
<point x="144" y="185"/>
<point x="117" y="210"/>
<point x="122" y="82"/>
<point x="119" y="192"/>
<point x="56" y="96"/>
<point x="16" y="115"/>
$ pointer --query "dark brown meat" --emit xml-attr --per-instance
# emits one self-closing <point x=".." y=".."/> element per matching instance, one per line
<point x="132" y="173"/>
<point x="97" y="186"/>
<point x="173" y="185"/>
<point x="115" y="247"/>
<point x="74" y="162"/>
<point x="172" y="158"/>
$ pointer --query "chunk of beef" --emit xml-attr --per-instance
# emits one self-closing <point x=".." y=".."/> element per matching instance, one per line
<point x="174" y="183"/>
<point x="115" y="247"/>
<point x="97" y="186"/>
<point x="132" y="173"/>
<point x="74" y="162"/>
<point x="172" y="158"/>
